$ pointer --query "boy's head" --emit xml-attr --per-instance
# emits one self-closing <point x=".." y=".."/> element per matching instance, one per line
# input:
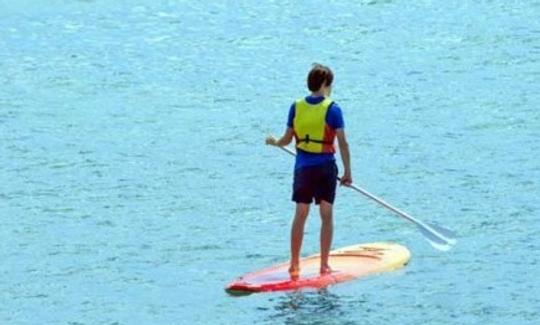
<point x="320" y="79"/>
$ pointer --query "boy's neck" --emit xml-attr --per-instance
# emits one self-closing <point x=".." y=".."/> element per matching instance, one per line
<point x="317" y="94"/>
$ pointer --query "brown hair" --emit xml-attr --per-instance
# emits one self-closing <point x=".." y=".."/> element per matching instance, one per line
<point x="318" y="76"/>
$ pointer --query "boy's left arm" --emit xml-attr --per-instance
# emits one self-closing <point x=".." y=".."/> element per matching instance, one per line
<point x="283" y="141"/>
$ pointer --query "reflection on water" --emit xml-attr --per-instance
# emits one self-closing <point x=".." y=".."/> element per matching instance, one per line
<point x="309" y="307"/>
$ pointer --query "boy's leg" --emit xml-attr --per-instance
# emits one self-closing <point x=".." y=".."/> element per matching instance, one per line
<point x="327" y="229"/>
<point x="297" y="234"/>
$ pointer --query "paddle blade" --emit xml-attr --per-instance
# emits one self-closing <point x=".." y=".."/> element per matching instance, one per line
<point x="449" y="235"/>
<point x="442" y="240"/>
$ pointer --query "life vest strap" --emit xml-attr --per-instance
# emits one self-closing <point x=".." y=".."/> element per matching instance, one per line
<point x="307" y="139"/>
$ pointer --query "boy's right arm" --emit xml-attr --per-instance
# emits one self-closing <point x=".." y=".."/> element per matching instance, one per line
<point x="346" y="179"/>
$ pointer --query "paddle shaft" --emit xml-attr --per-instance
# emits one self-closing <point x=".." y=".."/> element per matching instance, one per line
<point x="374" y="198"/>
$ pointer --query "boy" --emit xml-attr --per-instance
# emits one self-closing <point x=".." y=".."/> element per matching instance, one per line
<point x="314" y="122"/>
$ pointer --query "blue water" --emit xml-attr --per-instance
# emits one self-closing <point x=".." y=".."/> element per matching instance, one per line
<point x="134" y="182"/>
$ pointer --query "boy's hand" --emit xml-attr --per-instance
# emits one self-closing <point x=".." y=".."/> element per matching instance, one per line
<point x="271" y="140"/>
<point x="346" y="179"/>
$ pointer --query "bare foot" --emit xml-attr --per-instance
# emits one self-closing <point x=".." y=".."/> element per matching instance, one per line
<point x="325" y="270"/>
<point x="294" y="272"/>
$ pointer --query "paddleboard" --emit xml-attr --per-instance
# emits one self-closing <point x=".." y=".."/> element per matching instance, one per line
<point x="347" y="263"/>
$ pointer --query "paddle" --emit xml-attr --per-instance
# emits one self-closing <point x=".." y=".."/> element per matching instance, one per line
<point x="439" y="237"/>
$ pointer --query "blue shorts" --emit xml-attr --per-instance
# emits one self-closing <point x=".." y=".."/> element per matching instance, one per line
<point x="315" y="182"/>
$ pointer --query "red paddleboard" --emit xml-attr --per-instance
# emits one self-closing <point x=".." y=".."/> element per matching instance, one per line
<point x="347" y="263"/>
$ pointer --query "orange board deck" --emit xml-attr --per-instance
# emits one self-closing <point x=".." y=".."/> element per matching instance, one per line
<point x="347" y="263"/>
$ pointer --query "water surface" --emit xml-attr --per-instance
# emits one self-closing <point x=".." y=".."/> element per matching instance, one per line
<point x="134" y="182"/>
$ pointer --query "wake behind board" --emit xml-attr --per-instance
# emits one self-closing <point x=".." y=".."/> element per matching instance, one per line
<point x="347" y="263"/>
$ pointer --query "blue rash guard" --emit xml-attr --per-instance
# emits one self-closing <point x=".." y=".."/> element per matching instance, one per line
<point x="334" y="118"/>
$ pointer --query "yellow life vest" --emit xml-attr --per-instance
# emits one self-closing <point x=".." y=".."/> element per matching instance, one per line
<point x="311" y="132"/>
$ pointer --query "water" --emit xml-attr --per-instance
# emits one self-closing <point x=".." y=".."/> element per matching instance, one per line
<point x="134" y="183"/>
